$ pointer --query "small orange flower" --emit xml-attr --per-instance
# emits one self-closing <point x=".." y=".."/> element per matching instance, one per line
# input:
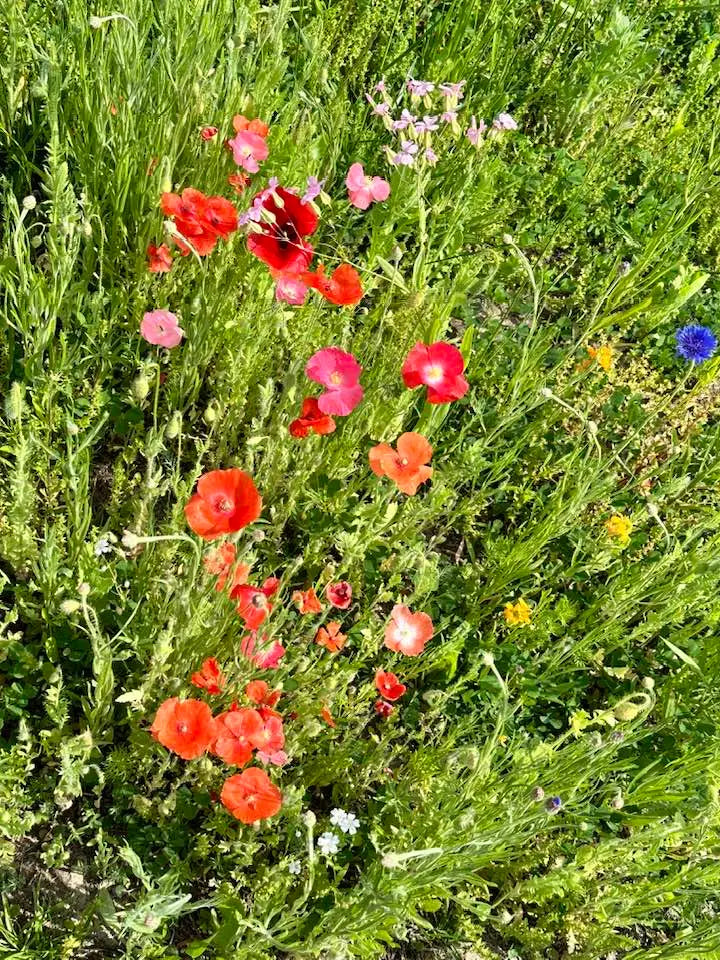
<point x="327" y="717"/>
<point x="256" y="126"/>
<point x="407" y="465"/>
<point x="251" y="796"/>
<point x="238" y="181"/>
<point x="259" y="692"/>
<point x="330" y="637"/>
<point x="210" y="677"/>
<point x="603" y="355"/>
<point x="307" y="601"/>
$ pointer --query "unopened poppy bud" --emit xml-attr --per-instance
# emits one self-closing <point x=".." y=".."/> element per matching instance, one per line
<point x="84" y="590"/>
<point x="72" y="428"/>
<point x="230" y="44"/>
<point x="87" y="228"/>
<point x="505" y="918"/>
<point x="36" y="242"/>
<point x="69" y="607"/>
<point x="95" y="22"/>
<point x="617" y="802"/>
<point x="29" y="202"/>
<point x="14" y="401"/>
<point x="626" y="710"/>
<point x="325" y="198"/>
<point x="140" y="387"/>
<point x="210" y="415"/>
<point x="592" y="427"/>
<point x="130" y="540"/>
<point x="538" y="794"/>
<point x="166" y="185"/>
<point x="309" y="819"/>
<point x="653" y="511"/>
<point x="172" y="430"/>
<point x="648" y="683"/>
<point x="507" y="238"/>
<point x="547" y="393"/>
<point x="487" y="659"/>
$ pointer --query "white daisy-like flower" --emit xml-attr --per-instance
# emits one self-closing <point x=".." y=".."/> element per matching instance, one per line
<point x="328" y="843"/>
<point x="294" y="867"/>
<point x="351" y="824"/>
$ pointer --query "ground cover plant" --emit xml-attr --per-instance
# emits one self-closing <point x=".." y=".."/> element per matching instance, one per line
<point x="359" y="514"/>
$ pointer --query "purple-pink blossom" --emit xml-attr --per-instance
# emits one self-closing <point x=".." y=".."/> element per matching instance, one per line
<point x="504" y="121"/>
<point x="427" y="125"/>
<point x="313" y="189"/>
<point x="453" y="90"/>
<point x="475" y="131"/>
<point x="420" y="88"/>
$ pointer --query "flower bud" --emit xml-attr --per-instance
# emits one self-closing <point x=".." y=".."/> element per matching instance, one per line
<point x="391" y="861"/>
<point x="95" y="22"/>
<point x="507" y="238"/>
<point x="210" y="414"/>
<point x="84" y="590"/>
<point x="648" y="683"/>
<point x="140" y="387"/>
<point x="69" y="607"/>
<point x="172" y="430"/>
<point x="309" y="819"/>
<point x="130" y="540"/>
<point x="29" y="202"/>
<point x="166" y="184"/>
<point x="617" y="802"/>
<point x="538" y="794"/>
<point x="15" y="401"/>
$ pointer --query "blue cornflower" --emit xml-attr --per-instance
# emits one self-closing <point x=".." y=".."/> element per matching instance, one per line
<point x="553" y="804"/>
<point x="695" y="342"/>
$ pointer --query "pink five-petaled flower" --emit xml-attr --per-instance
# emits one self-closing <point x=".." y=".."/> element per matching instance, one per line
<point x="249" y="150"/>
<point x="504" y="121"/>
<point x="363" y="190"/>
<point x="439" y="366"/>
<point x="161" y="328"/>
<point x="339" y="373"/>
<point x="408" y="632"/>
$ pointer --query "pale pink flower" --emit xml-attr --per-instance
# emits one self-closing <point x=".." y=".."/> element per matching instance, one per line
<point x="278" y="757"/>
<point x="452" y="90"/>
<point x="431" y="156"/>
<point x="161" y="328"/>
<point x="475" y="131"/>
<point x="406" y="118"/>
<point x="363" y="190"/>
<point x="313" y="190"/>
<point x="289" y="288"/>
<point x="249" y="150"/>
<point x="408" y="632"/>
<point x="406" y="157"/>
<point x="420" y="88"/>
<point x="379" y="109"/>
<point x="426" y="125"/>
<point x="503" y="121"/>
<point x="339" y="372"/>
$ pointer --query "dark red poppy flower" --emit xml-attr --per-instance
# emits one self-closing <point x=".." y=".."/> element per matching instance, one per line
<point x="253" y="605"/>
<point x="159" y="258"/>
<point x="342" y="287"/>
<point x="439" y="366"/>
<point x="312" y="418"/>
<point x="339" y="594"/>
<point x="389" y="686"/>
<point x="209" y="677"/>
<point x="226" y="501"/>
<point x="383" y="709"/>
<point x="250" y="796"/>
<point x="208" y="133"/>
<point x="280" y="242"/>
<point x="186" y="727"/>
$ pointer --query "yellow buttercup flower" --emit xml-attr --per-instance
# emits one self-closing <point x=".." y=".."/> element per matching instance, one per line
<point x="518" y="614"/>
<point x="619" y="527"/>
<point x="603" y="355"/>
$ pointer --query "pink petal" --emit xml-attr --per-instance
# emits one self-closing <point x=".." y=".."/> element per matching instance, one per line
<point x="361" y="198"/>
<point x="341" y="402"/>
<point x="379" y="188"/>
<point x="355" y="179"/>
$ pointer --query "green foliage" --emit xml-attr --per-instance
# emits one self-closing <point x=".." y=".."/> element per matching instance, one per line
<point x="593" y="223"/>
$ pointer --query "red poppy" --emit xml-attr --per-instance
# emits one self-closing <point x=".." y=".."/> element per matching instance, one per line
<point x="251" y="796"/>
<point x="280" y="242"/>
<point x="253" y="605"/>
<point x="267" y="656"/>
<point x="307" y="601"/>
<point x="208" y="133"/>
<point x="270" y="586"/>
<point x="210" y="677"/>
<point x="330" y="637"/>
<point x="199" y="219"/>
<point x="238" y="181"/>
<point x="383" y="709"/>
<point x="236" y="733"/>
<point x="159" y="258"/>
<point x="271" y="737"/>
<point x="186" y="727"/>
<point x="407" y="465"/>
<point x="259" y="692"/>
<point x="226" y="501"/>
<point x="440" y="367"/>
<point x="339" y="594"/>
<point x="327" y="717"/>
<point x="408" y="632"/>
<point x="241" y="123"/>
<point x="342" y="287"/>
<point x="219" y="562"/>
<point x="312" y="418"/>
<point x="389" y="686"/>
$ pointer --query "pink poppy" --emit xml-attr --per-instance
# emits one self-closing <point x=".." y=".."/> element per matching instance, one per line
<point x="363" y="190"/>
<point x="267" y="656"/>
<point x="439" y="366"/>
<point x="339" y="594"/>
<point x="289" y="288"/>
<point x="161" y="328"/>
<point x="249" y="150"/>
<point x="339" y="373"/>
<point x="408" y="632"/>
<point x="278" y="757"/>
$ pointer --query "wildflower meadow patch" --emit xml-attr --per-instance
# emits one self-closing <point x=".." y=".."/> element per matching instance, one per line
<point x="359" y="503"/>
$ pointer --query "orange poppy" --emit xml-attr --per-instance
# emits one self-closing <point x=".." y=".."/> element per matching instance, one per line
<point x="226" y="501"/>
<point x="407" y="465"/>
<point x="210" y="677"/>
<point x="237" y="731"/>
<point x="407" y="632"/>
<point x="256" y="126"/>
<point x="186" y="727"/>
<point x="307" y="601"/>
<point x="251" y="796"/>
<point x="259" y="692"/>
<point x="330" y="637"/>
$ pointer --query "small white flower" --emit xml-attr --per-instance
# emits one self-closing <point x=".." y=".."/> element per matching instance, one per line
<point x="294" y="867"/>
<point x="328" y="843"/>
<point x="102" y="546"/>
<point x="351" y="824"/>
<point x="337" y="817"/>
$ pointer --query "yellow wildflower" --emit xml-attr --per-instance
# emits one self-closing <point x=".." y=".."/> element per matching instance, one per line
<point x="619" y="527"/>
<point x="518" y="614"/>
<point x="603" y="355"/>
